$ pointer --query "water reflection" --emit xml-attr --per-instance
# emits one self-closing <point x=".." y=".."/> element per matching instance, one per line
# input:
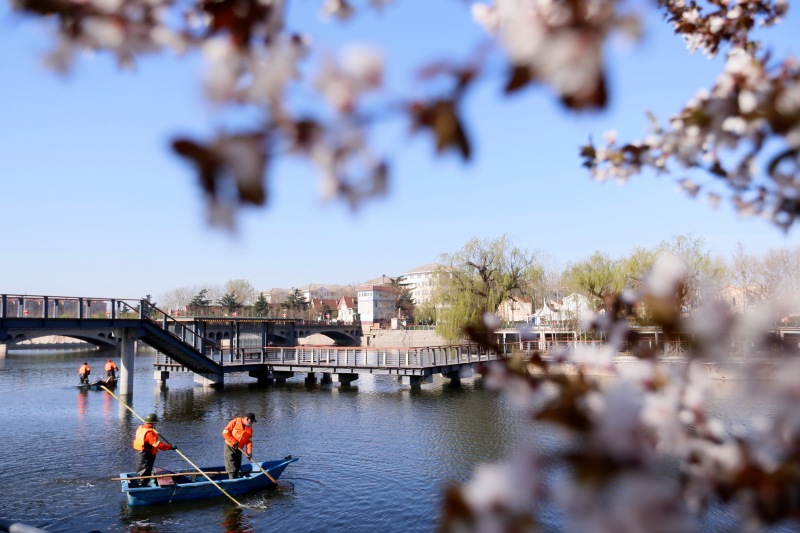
<point x="364" y="450"/>
<point x="236" y="521"/>
<point x="82" y="394"/>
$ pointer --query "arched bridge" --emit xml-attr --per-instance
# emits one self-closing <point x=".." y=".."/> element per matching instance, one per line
<point x="248" y="332"/>
<point x="211" y="347"/>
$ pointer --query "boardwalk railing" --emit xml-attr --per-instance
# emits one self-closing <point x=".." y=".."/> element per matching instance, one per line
<point x="350" y="357"/>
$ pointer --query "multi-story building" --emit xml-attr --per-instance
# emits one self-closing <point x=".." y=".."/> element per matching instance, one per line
<point x="375" y="304"/>
<point x="421" y="281"/>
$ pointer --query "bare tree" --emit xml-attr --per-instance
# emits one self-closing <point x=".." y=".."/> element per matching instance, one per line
<point x="178" y="298"/>
<point x="744" y="272"/>
<point x="243" y="291"/>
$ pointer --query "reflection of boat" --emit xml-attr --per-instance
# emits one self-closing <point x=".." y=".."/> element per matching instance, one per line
<point x="189" y="485"/>
<point x="108" y="382"/>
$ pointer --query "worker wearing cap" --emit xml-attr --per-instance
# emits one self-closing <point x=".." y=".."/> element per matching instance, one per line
<point x="84" y="372"/>
<point x="238" y="436"/>
<point x="146" y="445"/>
<point x="111" y="368"/>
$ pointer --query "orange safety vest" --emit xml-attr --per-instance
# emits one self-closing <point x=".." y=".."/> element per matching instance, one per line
<point x="111" y="366"/>
<point x="84" y="369"/>
<point x="236" y="432"/>
<point x="147" y="440"/>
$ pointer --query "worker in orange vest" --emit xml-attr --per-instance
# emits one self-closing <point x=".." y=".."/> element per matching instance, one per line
<point x="238" y="436"/>
<point x="84" y="372"/>
<point x="146" y="445"/>
<point x="111" y="368"/>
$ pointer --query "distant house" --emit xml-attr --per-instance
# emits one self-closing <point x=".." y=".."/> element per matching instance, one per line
<point x="574" y="306"/>
<point x="348" y="309"/>
<point x="739" y="299"/>
<point x="318" y="307"/>
<point x="322" y="292"/>
<point x="375" y="304"/>
<point x="277" y="296"/>
<point x="383" y="281"/>
<point x="515" y="309"/>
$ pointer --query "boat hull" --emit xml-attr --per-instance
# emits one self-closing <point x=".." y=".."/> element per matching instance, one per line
<point x="190" y="487"/>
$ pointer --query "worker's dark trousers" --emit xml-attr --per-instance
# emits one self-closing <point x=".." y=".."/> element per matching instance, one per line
<point x="84" y="378"/>
<point x="144" y="464"/>
<point x="233" y="461"/>
<point x="110" y="374"/>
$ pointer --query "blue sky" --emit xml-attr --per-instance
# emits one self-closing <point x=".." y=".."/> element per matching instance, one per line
<point x="95" y="203"/>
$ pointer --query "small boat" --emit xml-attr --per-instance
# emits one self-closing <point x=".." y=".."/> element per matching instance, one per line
<point x="108" y="382"/>
<point x="189" y="484"/>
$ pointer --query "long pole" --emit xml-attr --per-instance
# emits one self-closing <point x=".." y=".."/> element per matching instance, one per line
<point x="179" y="452"/>
<point x="265" y="472"/>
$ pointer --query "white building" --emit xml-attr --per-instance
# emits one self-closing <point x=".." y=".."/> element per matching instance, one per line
<point x="570" y="309"/>
<point x="348" y="309"/>
<point x="421" y="281"/>
<point x="375" y="303"/>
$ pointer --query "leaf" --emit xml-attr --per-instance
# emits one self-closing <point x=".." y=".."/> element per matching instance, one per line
<point x="519" y="77"/>
<point x="441" y="118"/>
<point x="206" y="160"/>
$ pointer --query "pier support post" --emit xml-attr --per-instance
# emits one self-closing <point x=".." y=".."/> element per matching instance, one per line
<point x="344" y="379"/>
<point x="210" y="380"/>
<point x="126" y="348"/>
<point x="263" y="377"/>
<point x="456" y="375"/>
<point x="417" y="381"/>
<point x="161" y="377"/>
<point x="281" y="376"/>
<point x="326" y="377"/>
<point x="3" y="349"/>
<point x="455" y="378"/>
<point x="311" y="377"/>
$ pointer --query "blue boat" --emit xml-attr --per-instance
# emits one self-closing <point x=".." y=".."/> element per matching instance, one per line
<point x="189" y="484"/>
<point x="99" y="384"/>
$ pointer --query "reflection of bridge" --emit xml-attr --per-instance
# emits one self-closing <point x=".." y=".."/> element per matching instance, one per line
<point x="213" y="347"/>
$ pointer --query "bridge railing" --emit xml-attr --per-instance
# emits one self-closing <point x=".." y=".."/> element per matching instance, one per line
<point x="39" y="306"/>
<point x="84" y="308"/>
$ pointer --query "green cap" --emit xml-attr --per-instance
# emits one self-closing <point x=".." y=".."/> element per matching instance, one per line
<point x="151" y="418"/>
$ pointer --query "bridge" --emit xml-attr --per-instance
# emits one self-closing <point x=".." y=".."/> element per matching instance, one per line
<point x="212" y="347"/>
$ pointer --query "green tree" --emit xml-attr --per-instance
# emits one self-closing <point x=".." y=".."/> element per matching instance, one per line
<point x="403" y="300"/>
<point x="200" y="303"/>
<point x="229" y="302"/>
<point x="425" y="313"/>
<point x="149" y="310"/>
<point x="477" y="278"/>
<point x="704" y="273"/>
<point x="598" y="276"/>
<point x="261" y="306"/>
<point x="296" y="302"/>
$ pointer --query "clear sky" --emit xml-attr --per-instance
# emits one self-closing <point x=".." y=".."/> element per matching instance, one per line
<point x="95" y="203"/>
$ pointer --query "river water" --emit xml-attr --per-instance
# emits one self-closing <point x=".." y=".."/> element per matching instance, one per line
<point x="373" y="457"/>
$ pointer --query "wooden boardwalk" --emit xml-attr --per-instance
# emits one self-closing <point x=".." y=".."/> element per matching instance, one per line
<point x="343" y="364"/>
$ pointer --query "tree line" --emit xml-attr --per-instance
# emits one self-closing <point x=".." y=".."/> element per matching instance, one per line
<point x="477" y="278"/>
